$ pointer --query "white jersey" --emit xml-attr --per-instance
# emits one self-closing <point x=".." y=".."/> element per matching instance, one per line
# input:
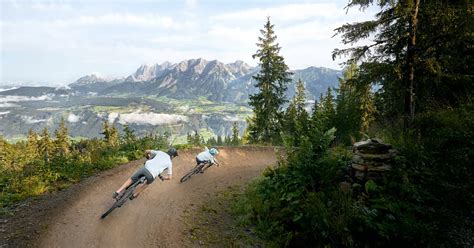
<point x="206" y="156"/>
<point x="159" y="163"/>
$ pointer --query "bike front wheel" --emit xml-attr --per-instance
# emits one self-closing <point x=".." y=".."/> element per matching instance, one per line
<point x="191" y="173"/>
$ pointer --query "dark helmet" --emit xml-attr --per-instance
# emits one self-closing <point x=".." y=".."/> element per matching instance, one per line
<point x="172" y="152"/>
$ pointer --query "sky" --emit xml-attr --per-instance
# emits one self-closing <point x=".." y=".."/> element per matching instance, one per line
<point x="57" y="42"/>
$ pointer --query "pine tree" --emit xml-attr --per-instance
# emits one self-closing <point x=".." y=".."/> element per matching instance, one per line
<point x="106" y="130"/>
<point x="219" y="141"/>
<point x="350" y="112"/>
<point x="211" y="141"/>
<point x="62" y="139"/>
<point x="5" y="153"/>
<point x="235" y="135"/>
<point x="227" y="140"/>
<point x="45" y="145"/>
<point x="420" y="54"/>
<point x="301" y="113"/>
<point x="327" y="111"/>
<point x="113" y="136"/>
<point x="197" y="139"/>
<point x="272" y="81"/>
<point x="128" y="135"/>
<point x="32" y="143"/>
<point x="290" y="125"/>
<point x="189" y="139"/>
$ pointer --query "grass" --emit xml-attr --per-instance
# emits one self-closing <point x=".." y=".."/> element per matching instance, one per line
<point x="213" y="224"/>
<point x="120" y="109"/>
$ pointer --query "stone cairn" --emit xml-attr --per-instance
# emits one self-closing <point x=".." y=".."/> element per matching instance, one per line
<point x="371" y="159"/>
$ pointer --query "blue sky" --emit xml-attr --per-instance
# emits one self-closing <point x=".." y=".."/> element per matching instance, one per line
<point x="60" y="41"/>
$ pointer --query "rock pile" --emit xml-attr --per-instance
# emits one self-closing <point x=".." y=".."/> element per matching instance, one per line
<point x="371" y="159"/>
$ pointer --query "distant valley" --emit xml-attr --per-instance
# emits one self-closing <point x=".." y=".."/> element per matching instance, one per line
<point x="195" y="94"/>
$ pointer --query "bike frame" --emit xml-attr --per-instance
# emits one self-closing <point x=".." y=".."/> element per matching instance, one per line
<point x="195" y="170"/>
<point x="125" y="196"/>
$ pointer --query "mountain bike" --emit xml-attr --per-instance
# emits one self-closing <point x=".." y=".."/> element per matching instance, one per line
<point x="126" y="195"/>
<point x="197" y="169"/>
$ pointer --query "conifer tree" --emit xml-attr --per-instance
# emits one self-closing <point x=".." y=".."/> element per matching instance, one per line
<point x="290" y="124"/>
<point x="45" y="145"/>
<point x="352" y="116"/>
<point x="327" y="111"/>
<point x="421" y="54"/>
<point x="106" y="130"/>
<point x="5" y="151"/>
<point x="32" y="143"/>
<point x="128" y="134"/>
<point x="219" y="141"/>
<point x="271" y="81"/>
<point x="300" y="104"/>
<point x="62" y="139"/>
<point x="235" y="135"/>
<point x="113" y="136"/>
<point x="227" y="140"/>
<point x="189" y="139"/>
<point x="211" y="141"/>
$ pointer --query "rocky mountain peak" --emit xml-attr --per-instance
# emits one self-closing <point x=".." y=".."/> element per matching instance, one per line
<point x="88" y="79"/>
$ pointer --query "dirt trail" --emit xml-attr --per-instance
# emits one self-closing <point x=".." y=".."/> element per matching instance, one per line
<point x="155" y="218"/>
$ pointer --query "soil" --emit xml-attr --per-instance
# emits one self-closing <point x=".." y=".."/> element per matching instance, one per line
<point x="71" y="217"/>
<point x="218" y="223"/>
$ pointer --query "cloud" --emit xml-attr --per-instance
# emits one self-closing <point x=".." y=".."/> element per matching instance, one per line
<point x="288" y="12"/>
<point x="231" y="118"/>
<point x="23" y="98"/>
<point x="4" y="113"/>
<point x="30" y="120"/>
<point x="72" y="118"/>
<point x="110" y="19"/>
<point x="116" y="39"/>
<point x="151" y="118"/>
<point x="112" y="117"/>
<point x="8" y="105"/>
<point x="190" y="4"/>
<point x="51" y="6"/>
<point x="5" y="89"/>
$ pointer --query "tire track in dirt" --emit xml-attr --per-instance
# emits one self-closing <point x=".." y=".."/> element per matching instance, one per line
<point x="155" y="218"/>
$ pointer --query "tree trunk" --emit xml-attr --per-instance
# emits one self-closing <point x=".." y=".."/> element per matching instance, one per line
<point x="410" y="62"/>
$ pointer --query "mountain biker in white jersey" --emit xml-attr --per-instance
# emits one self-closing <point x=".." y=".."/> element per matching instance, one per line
<point x="207" y="156"/>
<point x="157" y="162"/>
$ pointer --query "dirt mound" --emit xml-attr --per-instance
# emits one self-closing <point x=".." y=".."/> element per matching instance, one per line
<point x="72" y="217"/>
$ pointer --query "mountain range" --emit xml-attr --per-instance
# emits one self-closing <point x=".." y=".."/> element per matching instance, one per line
<point x="193" y="94"/>
<point x="192" y="78"/>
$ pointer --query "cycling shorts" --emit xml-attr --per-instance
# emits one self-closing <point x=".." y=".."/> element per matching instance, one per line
<point x="200" y="162"/>
<point x="142" y="172"/>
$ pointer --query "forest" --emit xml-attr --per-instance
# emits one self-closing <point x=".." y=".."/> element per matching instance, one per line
<point x="411" y="87"/>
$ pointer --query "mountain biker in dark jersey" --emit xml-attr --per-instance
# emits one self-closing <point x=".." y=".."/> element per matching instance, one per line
<point x="157" y="162"/>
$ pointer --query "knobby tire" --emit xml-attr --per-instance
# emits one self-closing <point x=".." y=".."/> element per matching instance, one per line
<point x="191" y="173"/>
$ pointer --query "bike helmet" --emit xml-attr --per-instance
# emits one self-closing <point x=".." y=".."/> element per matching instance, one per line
<point x="213" y="151"/>
<point x="172" y="152"/>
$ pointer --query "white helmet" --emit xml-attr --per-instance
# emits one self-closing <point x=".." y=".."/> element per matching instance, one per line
<point x="213" y="151"/>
